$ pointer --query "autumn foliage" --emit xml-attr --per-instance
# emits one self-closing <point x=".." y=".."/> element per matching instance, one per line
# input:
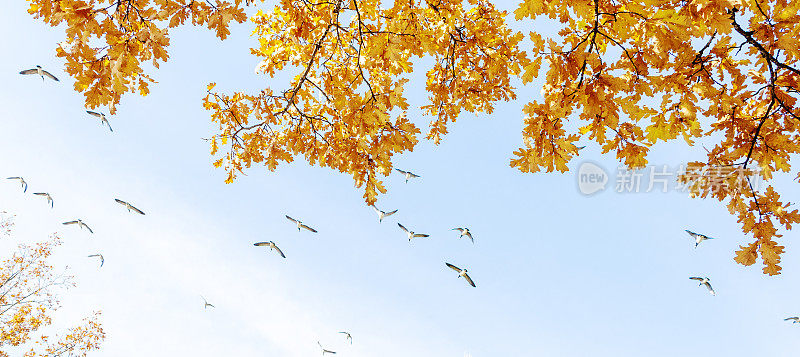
<point x="626" y="75"/>
<point x="637" y="73"/>
<point x="107" y="43"/>
<point x="345" y="110"/>
<point x="28" y="298"/>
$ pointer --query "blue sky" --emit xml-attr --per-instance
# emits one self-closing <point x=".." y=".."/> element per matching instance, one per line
<point x="558" y="273"/>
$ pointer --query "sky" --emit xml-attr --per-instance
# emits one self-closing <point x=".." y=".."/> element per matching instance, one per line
<point x="558" y="273"/>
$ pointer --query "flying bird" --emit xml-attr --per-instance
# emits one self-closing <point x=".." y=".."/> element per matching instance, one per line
<point x="347" y="335"/>
<point x="39" y="71"/>
<point x="102" y="260"/>
<point x="103" y="119"/>
<point x="383" y="214"/>
<point x="698" y="237"/>
<point x="129" y="206"/>
<point x="301" y="225"/>
<point x="21" y="182"/>
<point x="80" y="223"/>
<point x="408" y="174"/>
<point x="271" y="246"/>
<point x="47" y="196"/>
<point x="465" y="233"/>
<point x="705" y="281"/>
<point x="324" y="351"/>
<point x="411" y="234"/>
<point x="205" y="303"/>
<point x="795" y="319"/>
<point x="461" y="273"/>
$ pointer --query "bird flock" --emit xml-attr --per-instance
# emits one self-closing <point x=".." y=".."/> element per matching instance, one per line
<point x="410" y="235"/>
<point x="463" y="232"/>
<point x="80" y="223"/>
<point x="41" y="72"/>
<point x="299" y="224"/>
<point x="84" y="226"/>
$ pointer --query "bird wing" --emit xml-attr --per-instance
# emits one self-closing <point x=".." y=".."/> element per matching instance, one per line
<point x="403" y="228"/>
<point x="136" y="210"/>
<point x="29" y="71"/>
<point x="387" y="214"/>
<point x="205" y="302"/>
<point x="792" y="318"/>
<point x="70" y="222"/>
<point x="420" y="235"/>
<point x="379" y="212"/>
<point x="279" y="250"/>
<point x="309" y="228"/>
<point x="40" y="194"/>
<point x="413" y="174"/>
<point x="710" y="289"/>
<point x="695" y="278"/>
<point x="261" y="244"/>
<point x="46" y="73"/>
<point x="402" y="172"/>
<point x="469" y="280"/>
<point x="102" y="260"/>
<point x="88" y="228"/>
<point x="291" y="219"/>
<point x="451" y="266"/>
<point x="695" y="235"/>
<point x="95" y="113"/>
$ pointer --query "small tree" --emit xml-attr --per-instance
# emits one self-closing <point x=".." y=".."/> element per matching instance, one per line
<point x="28" y="298"/>
<point x="6" y="222"/>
